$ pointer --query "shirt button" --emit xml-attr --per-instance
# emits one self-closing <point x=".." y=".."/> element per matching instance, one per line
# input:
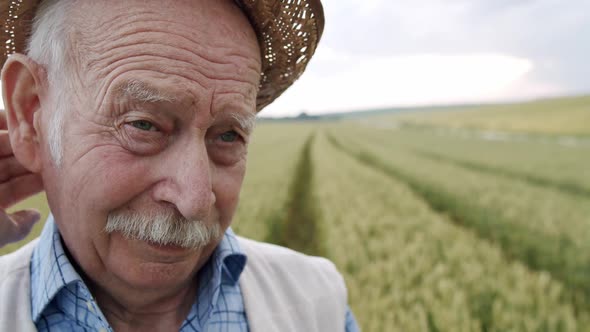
<point x="90" y="307"/>
<point x="102" y="329"/>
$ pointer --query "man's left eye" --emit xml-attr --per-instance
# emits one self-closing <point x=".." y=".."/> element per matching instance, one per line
<point x="229" y="136"/>
<point x="143" y="125"/>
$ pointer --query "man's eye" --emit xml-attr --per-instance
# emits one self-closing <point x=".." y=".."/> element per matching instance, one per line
<point x="229" y="136"/>
<point x="143" y="125"/>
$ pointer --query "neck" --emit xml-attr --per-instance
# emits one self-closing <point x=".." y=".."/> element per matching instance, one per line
<point x="142" y="310"/>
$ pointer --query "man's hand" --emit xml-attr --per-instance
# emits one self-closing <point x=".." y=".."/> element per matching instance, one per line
<point x="16" y="184"/>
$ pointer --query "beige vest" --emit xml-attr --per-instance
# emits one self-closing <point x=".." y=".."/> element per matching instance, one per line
<point x="283" y="290"/>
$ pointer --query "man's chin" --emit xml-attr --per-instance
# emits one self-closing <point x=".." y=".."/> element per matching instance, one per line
<point x="151" y="266"/>
<point x="150" y="252"/>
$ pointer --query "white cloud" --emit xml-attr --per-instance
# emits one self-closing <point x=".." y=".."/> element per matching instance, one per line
<point x="361" y="82"/>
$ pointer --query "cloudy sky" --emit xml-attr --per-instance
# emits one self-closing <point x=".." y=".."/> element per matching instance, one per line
<point x="387" y="53"/>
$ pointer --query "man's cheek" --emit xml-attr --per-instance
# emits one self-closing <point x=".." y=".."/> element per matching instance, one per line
<point x="227" y="187"/>
<point x="109" y="177"/>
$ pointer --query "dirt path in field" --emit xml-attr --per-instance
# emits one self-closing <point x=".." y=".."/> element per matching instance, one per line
<point x="300" y="229"/>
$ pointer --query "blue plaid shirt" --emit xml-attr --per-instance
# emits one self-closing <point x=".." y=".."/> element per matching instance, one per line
<point x="61" y="301"/>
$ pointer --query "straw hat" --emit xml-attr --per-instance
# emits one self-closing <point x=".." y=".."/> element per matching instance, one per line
<point x="288" y="33"/>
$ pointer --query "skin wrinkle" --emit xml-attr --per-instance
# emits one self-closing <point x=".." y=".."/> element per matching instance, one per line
<point x="172" y="26"/>
<point x="249" y="94"/>
<point x="105" y="89"/>
<point x="246" y="119"/>
<point x="209" y="74"/>
<point x="127" y="141"/>
<point x="250" y="91"/>
<point x="155" y="20"/>
<point x="110" y="130"/>
<point x="135" y="91"/>
<point x="202" y="51"/>
<point x="255" y="67"/>
<point x="110" y="121"/>
<point x="83" y="134"/>
<point x="149" y="40"/>
<point x="248" y="97"/>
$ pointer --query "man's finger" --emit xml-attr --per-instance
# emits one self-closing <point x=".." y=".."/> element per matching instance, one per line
<point x="11" y="168"/>
<point x="15" y="227"/>
<point x="5" y="148"/>
<point x="3" y="123"/>
<point x="24" y="220"/>
<point x="19" y="188"/>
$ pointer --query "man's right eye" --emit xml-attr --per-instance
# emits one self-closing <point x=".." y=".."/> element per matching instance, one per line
<point x="143" y="125"/>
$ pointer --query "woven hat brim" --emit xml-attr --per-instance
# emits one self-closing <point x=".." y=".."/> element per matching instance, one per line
<point x="288" y="33"/>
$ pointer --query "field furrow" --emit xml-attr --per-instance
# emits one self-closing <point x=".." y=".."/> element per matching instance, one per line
<point x="560" y="162"/>
<point x="567" y="187"/>
<point x="272" y="159"/>
<point x="299" y="229"/>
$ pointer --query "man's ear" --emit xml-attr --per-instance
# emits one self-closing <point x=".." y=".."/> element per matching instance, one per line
<point x="21" y="89"/>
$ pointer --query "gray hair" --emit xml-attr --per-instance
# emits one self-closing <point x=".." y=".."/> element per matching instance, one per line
<point x="48" y="46"/>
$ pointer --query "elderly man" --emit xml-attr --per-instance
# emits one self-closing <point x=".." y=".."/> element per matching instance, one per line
<point x="136" y="115"/>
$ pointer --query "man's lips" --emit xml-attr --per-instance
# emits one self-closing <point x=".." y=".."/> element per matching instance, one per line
<point x="166" y="247"/>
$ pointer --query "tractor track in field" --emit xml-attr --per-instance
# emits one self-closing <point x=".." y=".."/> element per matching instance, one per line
<point x="564" y="187"/>
<point x="536" y="250"/>
<point x="298" y="226"/>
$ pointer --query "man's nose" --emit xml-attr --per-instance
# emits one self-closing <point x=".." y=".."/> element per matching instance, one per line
<point x="186" y="181"/>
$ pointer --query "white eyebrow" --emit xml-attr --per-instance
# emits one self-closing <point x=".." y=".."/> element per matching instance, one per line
<point x="247" y="122"/>
<point x="143" y="92"/>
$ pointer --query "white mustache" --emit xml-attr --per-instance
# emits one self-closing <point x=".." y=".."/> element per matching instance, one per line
<point x="163" y="227"/>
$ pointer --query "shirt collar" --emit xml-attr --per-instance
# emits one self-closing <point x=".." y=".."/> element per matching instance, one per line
<point x="231" y="256"/>
<point x="223" y="268"/>
<point x="52" y="271"/>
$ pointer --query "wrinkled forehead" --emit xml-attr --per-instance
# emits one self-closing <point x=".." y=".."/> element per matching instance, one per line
<point x="206" y="22"/>
<point x="208" y="44"/>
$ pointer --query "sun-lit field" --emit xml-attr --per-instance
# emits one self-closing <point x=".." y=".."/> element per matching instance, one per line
<point x="447" y="226"/>
<point x="569" y="115"/>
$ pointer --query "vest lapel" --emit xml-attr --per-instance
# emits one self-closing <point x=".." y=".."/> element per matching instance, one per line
<point x="271" y="301"/>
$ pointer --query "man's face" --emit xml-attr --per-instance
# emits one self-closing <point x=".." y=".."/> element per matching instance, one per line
<point x="156" y="123"/>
